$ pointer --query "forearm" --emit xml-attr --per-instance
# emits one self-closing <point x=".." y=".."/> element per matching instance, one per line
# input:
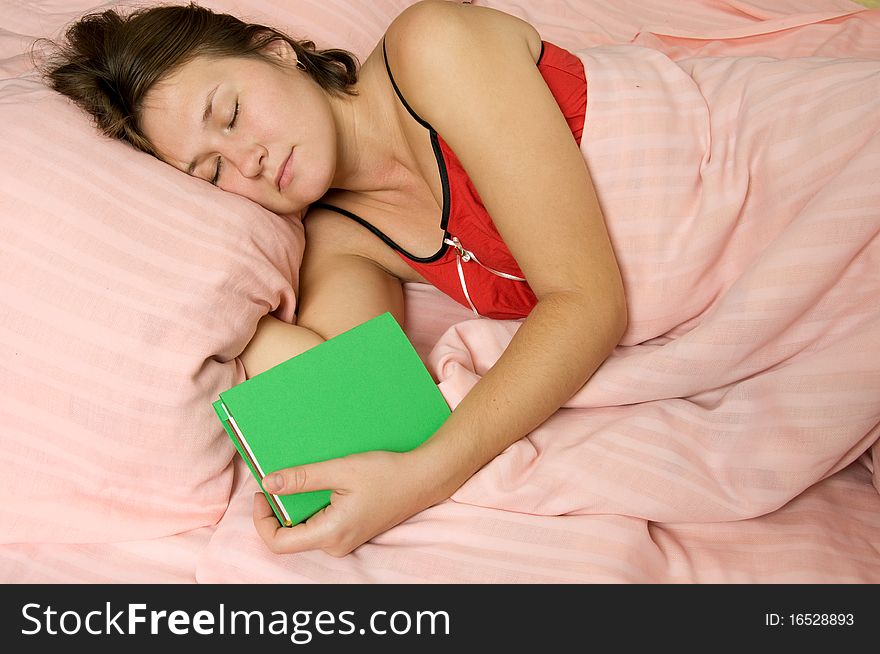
<point x="553" y="354"/>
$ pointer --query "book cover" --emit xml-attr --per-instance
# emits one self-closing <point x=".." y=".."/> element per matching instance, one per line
<point x="365" y="389"/>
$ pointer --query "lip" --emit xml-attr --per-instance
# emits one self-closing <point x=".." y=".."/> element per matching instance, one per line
<point x="285" y="172"/>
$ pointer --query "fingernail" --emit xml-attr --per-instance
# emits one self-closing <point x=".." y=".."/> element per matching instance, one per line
<point x="272" y="482"/>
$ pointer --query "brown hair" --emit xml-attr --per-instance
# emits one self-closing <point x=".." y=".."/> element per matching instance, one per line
<point x="110" y="61"/>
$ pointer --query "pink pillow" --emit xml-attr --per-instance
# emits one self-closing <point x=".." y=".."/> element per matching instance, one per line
<point x="127" y="289"/>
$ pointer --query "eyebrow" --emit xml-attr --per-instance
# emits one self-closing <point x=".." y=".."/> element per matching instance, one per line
<point x="206" y="116"/>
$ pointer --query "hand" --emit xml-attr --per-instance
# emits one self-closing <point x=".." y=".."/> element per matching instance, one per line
<point x="372" y="492"/>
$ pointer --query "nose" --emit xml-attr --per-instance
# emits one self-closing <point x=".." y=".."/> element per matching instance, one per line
<point x="248" y="158"/>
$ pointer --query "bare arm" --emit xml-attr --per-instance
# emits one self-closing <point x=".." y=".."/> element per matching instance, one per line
<point x="340" y="288"/>
<point x="274" y="342"/>
<point x="341" y="285"/>
<point x="533" y="181"/>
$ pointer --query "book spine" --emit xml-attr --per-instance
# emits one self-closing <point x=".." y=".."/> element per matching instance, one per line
<point x="274" y="500"/>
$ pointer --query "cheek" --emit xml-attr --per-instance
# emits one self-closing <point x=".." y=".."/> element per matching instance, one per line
<point x="258" y="192"/>
<point x="238" y="185"/>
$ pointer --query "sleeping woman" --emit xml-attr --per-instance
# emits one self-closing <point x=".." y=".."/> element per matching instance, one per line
<point x="450" y="156"/>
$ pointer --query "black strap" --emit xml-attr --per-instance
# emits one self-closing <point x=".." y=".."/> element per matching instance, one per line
<point x="399" y="94"/>
<point x="388" y="241"/>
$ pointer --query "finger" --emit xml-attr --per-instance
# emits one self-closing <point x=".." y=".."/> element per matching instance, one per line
<point x="262" y="509"/>
<point x="265" y="521"/>
<point x="324" y="475"/>
<point x="309" y="535"/>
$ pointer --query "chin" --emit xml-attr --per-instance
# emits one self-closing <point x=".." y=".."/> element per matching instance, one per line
<point x="314" y="194"/>
<point x="288" y="209"/>
<point x="286" y="203"/>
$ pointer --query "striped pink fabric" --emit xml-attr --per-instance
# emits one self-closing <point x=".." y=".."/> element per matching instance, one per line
<point x="741" y="196"/>
<point x="826" y="535"/>
<point x="163" y="560"/>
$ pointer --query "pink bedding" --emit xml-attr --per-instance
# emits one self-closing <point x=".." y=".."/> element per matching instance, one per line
<point x="731" y="437"/>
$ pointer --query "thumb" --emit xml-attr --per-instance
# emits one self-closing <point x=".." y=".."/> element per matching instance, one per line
<point x="300" y="479"/>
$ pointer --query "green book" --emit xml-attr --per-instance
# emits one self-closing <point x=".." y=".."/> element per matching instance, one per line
<point x="365" y="389"/>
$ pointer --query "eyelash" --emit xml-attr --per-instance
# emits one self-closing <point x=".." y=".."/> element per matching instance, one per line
<point x="220" y="161"/>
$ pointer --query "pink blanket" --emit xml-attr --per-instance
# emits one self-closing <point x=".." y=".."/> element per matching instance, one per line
<point x="741" y="196"/>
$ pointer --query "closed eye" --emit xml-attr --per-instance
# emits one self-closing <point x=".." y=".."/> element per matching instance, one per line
<point x="217" y="170"/>
<point x="230" y="127"/>
<point x="234" y="116"/>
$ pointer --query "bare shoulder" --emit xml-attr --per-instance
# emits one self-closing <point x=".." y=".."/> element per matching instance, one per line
<point x="433" y="27"/>
<point x="342" y="281"/>
<point x="432" y="15"/>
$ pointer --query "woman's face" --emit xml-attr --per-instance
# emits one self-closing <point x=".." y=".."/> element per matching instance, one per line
<point x="253" y="128"/>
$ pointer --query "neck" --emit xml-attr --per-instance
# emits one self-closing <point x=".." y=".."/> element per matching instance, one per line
<point x="371" y="153"/>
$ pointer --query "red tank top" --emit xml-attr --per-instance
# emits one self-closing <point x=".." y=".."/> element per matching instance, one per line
<point x="473" y="265"/>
